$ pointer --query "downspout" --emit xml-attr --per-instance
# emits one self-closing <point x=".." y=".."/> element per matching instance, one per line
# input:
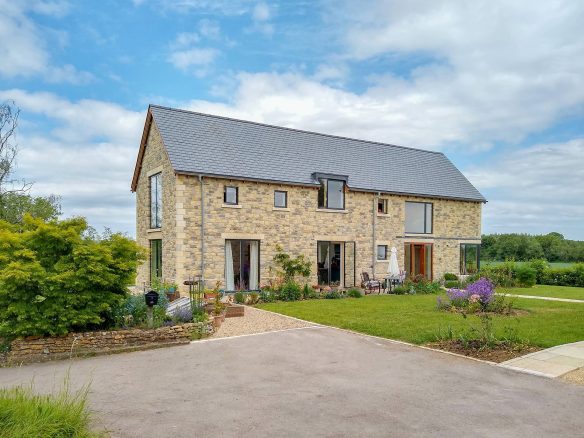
<point x="373" y="246"/>
<point x="202" y="231"/>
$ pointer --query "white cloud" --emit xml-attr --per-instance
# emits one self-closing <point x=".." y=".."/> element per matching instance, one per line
<point x="24" y="50"/>
<point x="87" y="157"/>
<point x="195" y="57"/>
<point x="261" y="12"/>
<point x="536" y="189"/>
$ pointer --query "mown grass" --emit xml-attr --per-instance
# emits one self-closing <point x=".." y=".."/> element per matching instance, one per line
<point x="414" y="318"/>
<point x="542" y="290"/>
<point x="24" y="413"/>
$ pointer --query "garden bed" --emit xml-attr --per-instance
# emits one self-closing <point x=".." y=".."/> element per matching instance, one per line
<point x="498" y="353"/>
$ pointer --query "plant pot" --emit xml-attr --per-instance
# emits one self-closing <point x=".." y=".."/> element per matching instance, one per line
<point x="218" y="320"/>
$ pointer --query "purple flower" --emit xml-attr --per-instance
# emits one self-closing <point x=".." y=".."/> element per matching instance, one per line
<point x="483" y="288"/>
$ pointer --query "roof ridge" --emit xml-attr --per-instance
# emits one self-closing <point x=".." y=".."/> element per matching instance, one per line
<point x="294" y="129"/>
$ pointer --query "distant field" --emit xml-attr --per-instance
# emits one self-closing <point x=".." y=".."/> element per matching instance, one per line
<point x="552" y="264"/>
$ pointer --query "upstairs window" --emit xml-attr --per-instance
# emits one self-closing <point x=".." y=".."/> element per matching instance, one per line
<point x="280" y="199"/>
<point x="419" y="217"/>
<point x="382" y="206"/>
<point x="156" y="201"/>
<point x="331" y="194"/>
<point x="381" y="252"/>
<point x="230" y="195"/>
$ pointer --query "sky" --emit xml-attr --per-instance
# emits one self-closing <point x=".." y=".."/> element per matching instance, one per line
<point x="497" y="86"/>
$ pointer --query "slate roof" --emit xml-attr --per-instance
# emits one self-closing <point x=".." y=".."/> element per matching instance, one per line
<point x="212" y="145"/>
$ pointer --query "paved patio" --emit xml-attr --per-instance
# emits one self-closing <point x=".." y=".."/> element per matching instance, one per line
<point x="552" y="362"/>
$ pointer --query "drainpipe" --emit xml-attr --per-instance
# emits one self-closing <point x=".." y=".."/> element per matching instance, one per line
<point x="373" y="246"/>
<point x="202" y="231"/>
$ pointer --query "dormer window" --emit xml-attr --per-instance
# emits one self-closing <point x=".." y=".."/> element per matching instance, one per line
<point x="331" y="194"/>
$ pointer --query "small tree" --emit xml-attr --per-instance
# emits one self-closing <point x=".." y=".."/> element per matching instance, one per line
<point x="291" y="267"/>
<point x="54" y="279"/>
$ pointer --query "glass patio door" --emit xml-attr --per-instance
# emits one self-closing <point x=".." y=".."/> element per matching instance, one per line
<point x="242" y="265"/>
<point x="418" y="260"/>
<point x="330" y="263"/>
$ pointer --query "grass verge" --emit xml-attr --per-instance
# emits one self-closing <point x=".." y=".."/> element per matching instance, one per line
<point x="24" y="413"/>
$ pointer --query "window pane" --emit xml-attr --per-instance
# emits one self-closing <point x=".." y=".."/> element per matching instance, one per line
<point x="230" y="195"/>
<point x="415" y="212"/>
<point x="155" y="259"/>
<point x="408" y="259"/>
<point x="381" y="252"/>
<point x="471" y="258"/>
<point x="428" y="218"/>
<point x="336" y="194"/>
<point x="156" y="201"/>
<point x="428" y="261"/>
<point x="280" y="199"/>
<point x="322" y="194"/>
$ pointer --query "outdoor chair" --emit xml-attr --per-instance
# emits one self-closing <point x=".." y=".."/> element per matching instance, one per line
<point x="370" y="284"/>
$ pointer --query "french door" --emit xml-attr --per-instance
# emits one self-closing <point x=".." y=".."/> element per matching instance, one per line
<point x="418" y="260"/>
<point x="336" y="263"/>
<point x="242" y="265"/>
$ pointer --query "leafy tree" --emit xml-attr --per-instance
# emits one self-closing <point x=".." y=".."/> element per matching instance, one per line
<point x="291" y="267"/>
<point x="54" y="279"/>
<point x="13" y="207"/>
<point x="8" y="149"/>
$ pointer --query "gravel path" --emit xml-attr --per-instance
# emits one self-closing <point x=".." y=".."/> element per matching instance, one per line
<point x="257" y="321"/>
<point x="576" y="376"/>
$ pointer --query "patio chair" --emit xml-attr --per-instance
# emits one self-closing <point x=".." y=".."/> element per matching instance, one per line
<point x="370" y="284"/>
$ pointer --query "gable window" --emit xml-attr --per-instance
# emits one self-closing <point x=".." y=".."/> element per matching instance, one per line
<point x="331" y="194"/>
<point x="280" y="199"/>
<point x="230" y="195"/>
<point x="469" y="258"/>
<point x="156" y="201"/>
<point x="381" y="252"/>
<point x="155" y="259"/>
<point x="419" y="217"/>
<point x="382" y="206"/>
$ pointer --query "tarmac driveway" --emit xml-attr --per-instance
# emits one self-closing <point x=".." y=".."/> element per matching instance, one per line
<point x="312" y="382"/>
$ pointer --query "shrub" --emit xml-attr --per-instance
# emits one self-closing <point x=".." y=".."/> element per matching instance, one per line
<point x="131" y="311"/>
<point x="450" y="277"/>
<point x="267" y="296"/>
<point x="540" y="266"/>
<point x="183" y="315"/>
<point x="332" y="295"/>
<point x="483" y="288"/>
<point x="354" y="293"/>
<point x="239" y="297"/>
<point x="525" y="276"/>
<point x="452" y="284"/>
<point x="400" y="290"/>
<point x="253" y="298"/>
<point x="54" y="278"/>
<point x="427" y="287"/>
<point x="25" y="414"/>
<point x="290" y="291"/>
<point x="572" y="276"/>
<point x="291" y="267"/>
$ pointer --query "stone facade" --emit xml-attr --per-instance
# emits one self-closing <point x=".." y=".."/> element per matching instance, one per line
<point x="296" y="229"/>
<point x="39" y="349"/>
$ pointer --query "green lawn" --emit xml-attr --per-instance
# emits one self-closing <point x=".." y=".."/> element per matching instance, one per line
<point x="552" y="264"/>
<point x="542" y="290"/>
<point x="415" y="318"/>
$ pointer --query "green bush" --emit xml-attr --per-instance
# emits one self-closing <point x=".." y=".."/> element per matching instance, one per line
<point x="54" y="278"/>
<point x="450" y="277"/>
<point x="291" y="291"/>
<point x="401" y="290"/>
<point x="239" y="297"/>
<point x="267" y="296"/>
<point x="449" y="284"/>
<point x="332" y="295"/>
<point x="525" y="276"/>
<point x="132" y="311"/>
<point x="427" y="287"/>
<point x="572" y="276"/>
<point x="25" y="414"/>
<point x="540" y="266"/>
<point x="354" y="293"/>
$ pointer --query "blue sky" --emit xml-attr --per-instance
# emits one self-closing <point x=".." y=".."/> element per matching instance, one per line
<point x="498" y="86"/>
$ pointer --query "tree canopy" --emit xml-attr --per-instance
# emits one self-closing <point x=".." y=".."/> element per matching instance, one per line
<point x="552" y="247"/>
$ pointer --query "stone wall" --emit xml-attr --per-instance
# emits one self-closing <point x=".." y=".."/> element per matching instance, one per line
<point x="39" y="349"/>
<point x="156" y="160"/>
<point x="298" y="227"/>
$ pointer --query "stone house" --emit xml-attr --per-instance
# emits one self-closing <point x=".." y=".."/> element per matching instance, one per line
<point x="215" y="197"/>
